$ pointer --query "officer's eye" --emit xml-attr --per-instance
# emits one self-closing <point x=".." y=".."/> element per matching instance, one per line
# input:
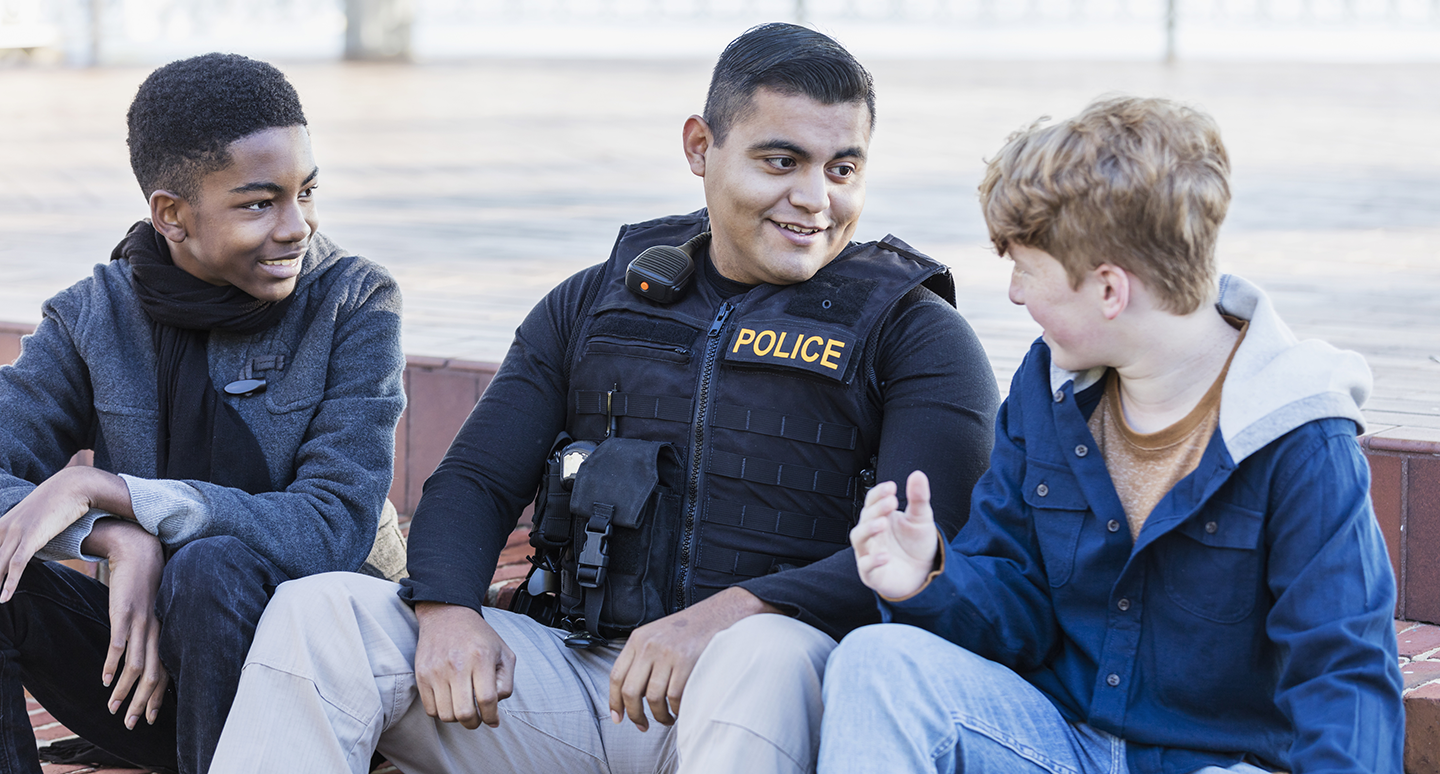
<point x="781" y="162"/>
<point x="843" y="170"/>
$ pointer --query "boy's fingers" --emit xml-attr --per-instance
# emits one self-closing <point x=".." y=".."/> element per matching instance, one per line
<point x="878" y="491"/>
<point x="157" y="698"/>
<point x="917" y="497"/>
<point x="12" y="564"/>
<point x="865" y="564"/>
<point x="128" y="677"/>
<point x="112" y="659"/>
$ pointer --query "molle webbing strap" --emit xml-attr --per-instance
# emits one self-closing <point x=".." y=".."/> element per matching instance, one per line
<point x="625" y="404"/>
<point x="762" y="519"/>
<point x="763" y="471"/>
<point x="744" y="563"/>
<point x="657" y="331"/>
<point x="778" y="425"/>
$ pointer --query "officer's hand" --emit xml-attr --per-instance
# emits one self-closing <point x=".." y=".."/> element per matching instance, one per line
<point x="462" y="667"/>
<point x="895" y="550"/>
<point x="658" y="658"/>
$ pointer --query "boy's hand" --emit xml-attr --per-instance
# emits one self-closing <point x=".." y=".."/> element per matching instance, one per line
<point x="895" y="550"/>
<point x="136" y="564"/>
<point x="462" y="667"/>
<point x="36" y="520"/>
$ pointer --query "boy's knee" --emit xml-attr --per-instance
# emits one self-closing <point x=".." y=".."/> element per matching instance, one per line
<point x="212" y="557"/>
<point x="880" y="651"/>
<point x="215" y="574"/>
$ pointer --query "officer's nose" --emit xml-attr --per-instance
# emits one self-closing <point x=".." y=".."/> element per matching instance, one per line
<point x="811" y="193"/>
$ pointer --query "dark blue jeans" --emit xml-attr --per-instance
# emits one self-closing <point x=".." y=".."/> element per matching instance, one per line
<point x="55" y="630"/>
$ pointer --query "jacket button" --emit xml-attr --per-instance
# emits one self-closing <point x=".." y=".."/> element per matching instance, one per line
<point x="1042" y="490"/>
<point x="1081" y="451"/>
<point x="1211" y="527"/>
<point x="1123" y="604"/>
<point x="1113" y="680"/>
<point x="1059" y="396"/>
<point x="1112" y="525"/>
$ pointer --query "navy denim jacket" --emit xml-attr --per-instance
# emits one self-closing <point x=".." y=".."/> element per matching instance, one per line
<point x="1251" y="619"/>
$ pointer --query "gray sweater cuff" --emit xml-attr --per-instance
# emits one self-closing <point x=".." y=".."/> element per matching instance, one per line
<point x="171" y="510"/>
<point x="66" y="545"/>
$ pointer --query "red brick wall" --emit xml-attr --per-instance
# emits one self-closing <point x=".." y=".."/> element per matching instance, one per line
<point x="1405" y="489"/>
<point x="1405" y="486"/>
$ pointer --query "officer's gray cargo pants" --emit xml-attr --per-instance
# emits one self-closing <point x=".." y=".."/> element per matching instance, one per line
<point x="330" y="678"/>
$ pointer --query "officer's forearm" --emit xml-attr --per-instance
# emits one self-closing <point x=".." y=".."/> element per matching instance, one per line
<point x="732" y="605"/>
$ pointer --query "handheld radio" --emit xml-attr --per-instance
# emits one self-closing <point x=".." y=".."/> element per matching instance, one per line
<point x="662" y="272"/>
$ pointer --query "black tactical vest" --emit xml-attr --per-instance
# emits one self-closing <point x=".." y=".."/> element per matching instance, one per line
<point x="768" y="397"/>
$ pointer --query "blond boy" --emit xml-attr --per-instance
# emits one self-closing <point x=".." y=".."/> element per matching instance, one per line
<point x="1172" y="564"/>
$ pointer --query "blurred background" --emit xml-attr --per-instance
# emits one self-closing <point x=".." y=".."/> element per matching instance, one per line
<point x="483" y="150"/>
<point x="156" y="31"/>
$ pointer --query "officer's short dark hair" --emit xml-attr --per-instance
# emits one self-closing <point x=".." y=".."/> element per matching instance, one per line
<point x="790" y="59"/>
<point x="188" y="112"/>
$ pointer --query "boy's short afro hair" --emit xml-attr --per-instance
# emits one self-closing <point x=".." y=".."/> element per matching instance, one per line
<point x="188" y="112"/>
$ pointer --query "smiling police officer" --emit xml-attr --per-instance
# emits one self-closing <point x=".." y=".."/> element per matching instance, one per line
<point x="719" y="432"/>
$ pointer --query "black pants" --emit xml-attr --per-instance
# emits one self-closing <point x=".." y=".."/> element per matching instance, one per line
<point x="55" y="631"/>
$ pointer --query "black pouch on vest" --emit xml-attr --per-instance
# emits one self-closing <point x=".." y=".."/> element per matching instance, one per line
<point x="626" y="507"/>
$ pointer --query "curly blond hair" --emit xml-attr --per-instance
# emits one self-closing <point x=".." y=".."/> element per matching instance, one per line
<point x="1138" y="183"/>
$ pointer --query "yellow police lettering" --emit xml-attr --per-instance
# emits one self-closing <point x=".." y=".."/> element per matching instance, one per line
<point x="744" y="337"/>
<point x="780" y="345"/>
<point x="832" y="349"/>
<point x="805" y="350"/>
<point x="794" y="353"/>
<point x="768" y="347"/>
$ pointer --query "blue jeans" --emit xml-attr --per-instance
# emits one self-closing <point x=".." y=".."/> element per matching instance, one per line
<point x="898" y="698"/>
<point x="55" y="630"/>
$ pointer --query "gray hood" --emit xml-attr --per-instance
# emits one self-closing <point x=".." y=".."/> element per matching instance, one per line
<point x="1276" y="383"/>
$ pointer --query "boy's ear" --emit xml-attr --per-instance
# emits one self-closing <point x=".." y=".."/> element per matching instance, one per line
<point x="1114" y="284"/>
<point x="168" y="214"/>
<point x="697" y="139"/>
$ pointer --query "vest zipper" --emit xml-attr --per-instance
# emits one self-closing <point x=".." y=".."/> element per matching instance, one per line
<point x="697" y="448"/>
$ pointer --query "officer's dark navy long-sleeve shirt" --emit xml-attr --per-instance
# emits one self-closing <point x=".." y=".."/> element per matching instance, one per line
<point x="932" y="377"/>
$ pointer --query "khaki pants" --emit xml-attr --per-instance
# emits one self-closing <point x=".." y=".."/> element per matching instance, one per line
<point x="330" y="679"/>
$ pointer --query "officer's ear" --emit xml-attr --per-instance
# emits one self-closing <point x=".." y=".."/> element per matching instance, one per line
<point x="697" y="140"/>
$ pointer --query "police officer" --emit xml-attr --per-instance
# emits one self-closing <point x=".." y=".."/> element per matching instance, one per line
<point x="742" y="411"/>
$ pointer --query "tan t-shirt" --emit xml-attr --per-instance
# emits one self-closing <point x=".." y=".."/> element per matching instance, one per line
<point x="1144" y="466"/>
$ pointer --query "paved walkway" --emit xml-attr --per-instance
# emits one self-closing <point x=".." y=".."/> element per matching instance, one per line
<point x="481" y="185"/>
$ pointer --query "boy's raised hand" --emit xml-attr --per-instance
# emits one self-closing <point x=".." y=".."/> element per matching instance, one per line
<point x="895" y="550"/>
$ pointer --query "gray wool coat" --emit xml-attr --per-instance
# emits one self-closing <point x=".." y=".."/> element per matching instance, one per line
<point x="86" y="380"/>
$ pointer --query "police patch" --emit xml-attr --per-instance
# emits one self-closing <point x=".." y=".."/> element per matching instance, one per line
<point x="819" y="349"/>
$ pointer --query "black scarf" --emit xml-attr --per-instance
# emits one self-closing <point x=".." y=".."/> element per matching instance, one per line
<point x="201" y="437"/>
